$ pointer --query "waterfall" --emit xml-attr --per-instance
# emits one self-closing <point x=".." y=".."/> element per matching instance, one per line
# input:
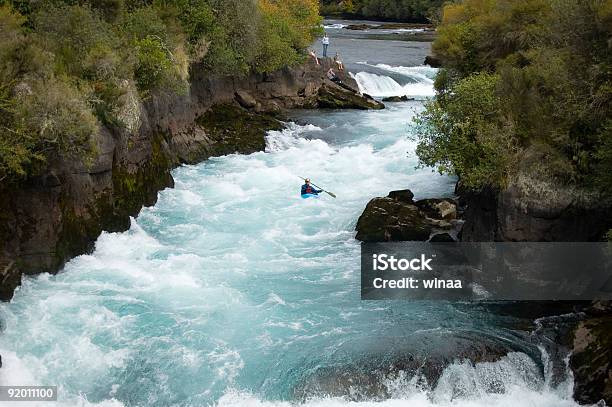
<point x="415" y="81"/>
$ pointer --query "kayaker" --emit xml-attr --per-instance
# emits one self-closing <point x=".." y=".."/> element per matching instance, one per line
<point x="309" y="189"/>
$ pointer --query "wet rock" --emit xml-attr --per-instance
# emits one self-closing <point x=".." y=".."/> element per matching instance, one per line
<point x="359" y="27"/>
<point x="389" y="26"/>
<point x="402" y="195"/>
<point x="397" y="99"/>
<point x="591" y="360"/>
<point x="10" y="277"/>
<point x="332" y="96"/>
<point x="438" y="208"/>
<point x="599" y="308"/>
<point x="373" y="377"/>
<point x="386" y="219"/>
<point x="398" y="217"/>
<point x="235" y="130"/>
<point x="245" y="99"/>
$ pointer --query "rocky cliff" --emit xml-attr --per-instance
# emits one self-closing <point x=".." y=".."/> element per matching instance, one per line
<point x="530" y="210"/>
<point x="50" y="218"/>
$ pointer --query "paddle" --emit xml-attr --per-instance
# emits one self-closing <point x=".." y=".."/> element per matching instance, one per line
<point x="316" y="186"/>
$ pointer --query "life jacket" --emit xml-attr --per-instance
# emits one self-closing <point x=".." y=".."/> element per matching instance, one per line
<point x="309" y="189"/>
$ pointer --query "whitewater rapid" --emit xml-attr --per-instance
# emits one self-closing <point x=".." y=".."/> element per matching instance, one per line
<point x="415" y="82"/>
<point x="234" y="291"/>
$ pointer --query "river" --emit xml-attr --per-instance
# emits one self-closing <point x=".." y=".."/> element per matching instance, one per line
<point x="233" y="291"/>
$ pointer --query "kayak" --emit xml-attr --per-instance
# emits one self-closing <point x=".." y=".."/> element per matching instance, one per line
<point x="305" y="196"/>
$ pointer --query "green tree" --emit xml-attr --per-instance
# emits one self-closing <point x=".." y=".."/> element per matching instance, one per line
<point x="549" y="62"/>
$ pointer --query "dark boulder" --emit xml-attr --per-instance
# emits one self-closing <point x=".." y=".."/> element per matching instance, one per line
<point x="236" y="130"/>
<point x="438" y="208"/>
<point x="402" y="195"/>
<point x="359" y="27"/>
<point x="397" y="99"/>
<point x="422" y="362"/>
<point x="385" y="219"/>
<point x="332" y="96"/>
<point x="398" y="217"/>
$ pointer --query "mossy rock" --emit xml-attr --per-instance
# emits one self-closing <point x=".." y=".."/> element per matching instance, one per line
<point x="397" y="99"/>
<point x="236" y="130"/>
<point x="385" y="219"/>
<point x="336" y="97"/>
<point x="132" y="190"/>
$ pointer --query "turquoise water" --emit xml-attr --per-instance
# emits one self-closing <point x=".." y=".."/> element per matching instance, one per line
<point x="234" y="291"/>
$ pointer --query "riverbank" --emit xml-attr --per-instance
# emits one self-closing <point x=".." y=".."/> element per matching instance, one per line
<point x="59" y="214"/>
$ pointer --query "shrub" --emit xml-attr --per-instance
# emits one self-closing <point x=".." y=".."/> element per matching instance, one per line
<point x="71" y="33"/>
<point x="153" y="64"/>
<point x="550" y="64"/>
<point x="58" y="118"/>
<point x="465" y="134"/>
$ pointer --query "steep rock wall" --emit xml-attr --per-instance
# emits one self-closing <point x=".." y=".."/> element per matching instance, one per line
<point x="534" y="211"/>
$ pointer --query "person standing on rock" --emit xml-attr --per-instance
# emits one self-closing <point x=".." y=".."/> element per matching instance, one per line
<point x="325" y="42"/>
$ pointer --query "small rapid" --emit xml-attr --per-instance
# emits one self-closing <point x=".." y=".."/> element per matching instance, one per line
<point x="382" y="80"/>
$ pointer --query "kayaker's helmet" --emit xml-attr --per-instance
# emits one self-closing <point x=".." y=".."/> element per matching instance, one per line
<point x="307" y="180"/>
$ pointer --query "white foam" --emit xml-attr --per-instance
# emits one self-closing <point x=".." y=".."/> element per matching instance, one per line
<point x="336" y="26"/>
<point x="424" y="73"/>
<point x="382" y="86"/>
<point x="292" y="136"/>
<point x="516" y="397"/>
<point x="408" y="30"/>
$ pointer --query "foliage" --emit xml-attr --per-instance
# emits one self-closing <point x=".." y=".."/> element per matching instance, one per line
<point x="549" y="62"/>
<point x="465" y="132"/>
<point x="65" y="65"/>
<point x="58" y="117"/>
<point x="288" y="27"/>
